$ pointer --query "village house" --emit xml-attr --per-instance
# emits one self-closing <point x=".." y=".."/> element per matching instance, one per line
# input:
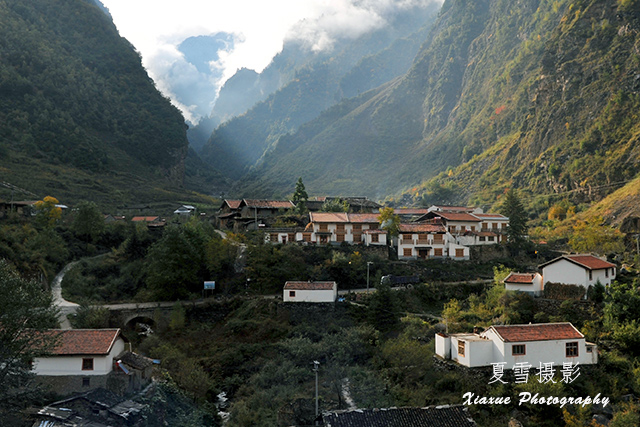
<point x="530" y="283"/>
<point x="428" y="240"/>
<point x="185" y="210"/>
<point x="297" y="291"/>
<point x="81" y="360"/>
<point x="579" y="269"/>
<point x="338" y="227"/>
<point x="533" y="344"/>
<point x="470" y="226"/>
<point x="228" y="211"/>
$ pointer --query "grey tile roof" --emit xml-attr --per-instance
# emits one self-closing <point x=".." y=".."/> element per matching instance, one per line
<point x="434" y="416"/>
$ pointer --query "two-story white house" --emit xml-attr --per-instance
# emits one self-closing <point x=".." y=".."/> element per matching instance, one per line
<point x="580" y="269"/>
<point x="533" y="344"/>
<point x="297" y="291"/>
<point x="338" y="227"/>
<point x="81" y="360"/>
<point x="428" y="240"/>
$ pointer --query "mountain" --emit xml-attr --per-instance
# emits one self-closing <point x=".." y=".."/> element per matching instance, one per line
<point x="79" y="116"/>
<point x="537" y="95"/>
<point x="310" y="82"/>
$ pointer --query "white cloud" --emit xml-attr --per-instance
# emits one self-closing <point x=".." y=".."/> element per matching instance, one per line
<point x="157" y="27"/>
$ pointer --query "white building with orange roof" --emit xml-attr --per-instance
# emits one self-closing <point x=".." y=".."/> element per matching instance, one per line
<point x="532" y="344"/>
<point x="579" y="269"/>
<point x="530" y="283"/>
<point x="338" y="227"/>
<point x="428" y="240"/>
<point x="298" y="291"/>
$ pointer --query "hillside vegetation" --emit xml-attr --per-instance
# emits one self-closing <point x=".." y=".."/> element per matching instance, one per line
<point x="79" y="116"/>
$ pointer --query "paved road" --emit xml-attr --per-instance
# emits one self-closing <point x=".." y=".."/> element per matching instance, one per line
<point x="65" y="307"/>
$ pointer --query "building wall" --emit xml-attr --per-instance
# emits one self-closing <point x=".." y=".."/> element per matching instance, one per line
<point x="311" y="295"/>
<point x="443" y="346"/>
<point x="535" y="288"/>
<point x="72" y="365"/>
<point x="563" y="271"/>
<point x="537" y="352"/>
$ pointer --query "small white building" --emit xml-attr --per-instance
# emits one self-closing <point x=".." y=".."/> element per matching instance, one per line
<point x="185" y="210"/>
<point x="583" y="270"/>
<point x="532" y="344"/>
<point x="310" y="292"/>
<point x="530" y="283"/>
<point x="81" y="359"/>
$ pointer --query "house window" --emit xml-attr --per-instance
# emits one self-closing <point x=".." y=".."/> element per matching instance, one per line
<point x="357" y="226"/>
<point x="407" y="252"/>
<point x="589" y="349"/>
<point x="292" y="237"/>
<point x="437" y="252"/>
<point x="292" y="294"/>
<point x="340" y="237"/>
<point x="374" y="238"/>
<point x="339" y="227"/>
<point x="461" y="348"/>
<point x="452" y="228"/>
<point x="459" y="253"/>
<point x="606" y="272"/>
<point x="482" y="238"/>
<point x="518" y="350"/>
<point x="495" y="225"/>
<point x="273" y="237"/>
<point x="87" y="364"/>
<point x="590" y="275"/>
<point x="324" y="227"/>
<point x="306" y="237"/>
<point x="373" y="226"/>
<point x="86" y="381"/>
<point x="438" y="239"/>
<point x="406" y="237"/>
<point x="491" y="239"/>
<point x="357" y="237"/>
<point x="572" y="349"/>
<point x="473" y="228"/>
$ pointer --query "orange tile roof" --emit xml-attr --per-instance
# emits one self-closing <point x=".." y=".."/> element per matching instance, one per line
<point x="587" y="261"/>
<point x="411" y="211"/>
<point x="368" y="218"/>
<point x="310" y="286"/>
<point x="328" y="217"/>
<point x="144" y="218"/>
<point x="422" y="228"/>
<point x="520" y="278"/>
<point x="233" y="204"/>
<point x="537" y="332"/>
<point x="84" y="341"/>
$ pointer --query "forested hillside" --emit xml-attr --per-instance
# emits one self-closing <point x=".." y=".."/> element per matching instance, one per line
<point x="79" y="116"/>
<point x="309" y="83"/>
<point x="540" y="95"/>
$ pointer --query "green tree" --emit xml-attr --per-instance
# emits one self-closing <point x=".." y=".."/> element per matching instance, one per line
<point x="389" y="221"/>
<point x="25" y="312"/>
<point x="514" y="210"/>
<point x="88" y="223"/>
<point x="300" y="198"/>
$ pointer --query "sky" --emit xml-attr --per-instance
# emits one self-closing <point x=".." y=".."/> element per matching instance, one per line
<point x="253" y="33"/>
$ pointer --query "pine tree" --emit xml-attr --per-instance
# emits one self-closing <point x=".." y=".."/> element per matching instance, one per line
<point x="300" y="197"/>
<point x="513" y="209"/>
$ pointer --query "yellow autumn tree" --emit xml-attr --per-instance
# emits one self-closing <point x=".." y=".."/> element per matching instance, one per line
<point x="47" y="213"/>
<point x="595" y="236"/>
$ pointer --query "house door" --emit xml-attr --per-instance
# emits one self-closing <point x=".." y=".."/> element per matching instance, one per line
<point x="423" y="253"/>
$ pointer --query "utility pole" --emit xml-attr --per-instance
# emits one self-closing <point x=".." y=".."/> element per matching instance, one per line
<point x="315" y="369"/>
<point x="368" y="264"/>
